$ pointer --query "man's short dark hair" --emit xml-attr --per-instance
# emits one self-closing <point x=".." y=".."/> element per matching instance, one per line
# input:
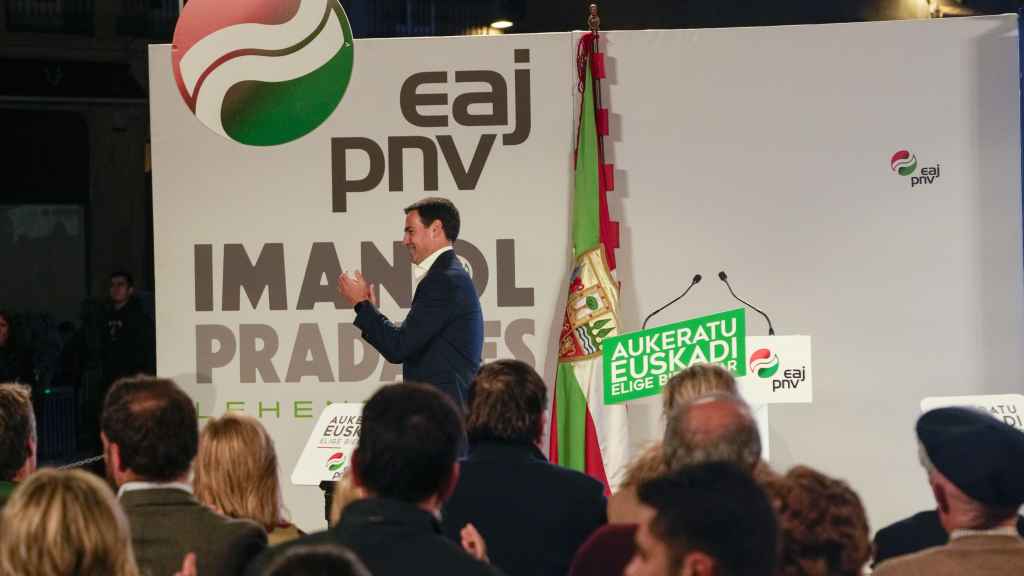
<point x="304" y="559"/>
<point x="715" y="508"/>
<point x="123" y="274"/>
<point x="410" y="438"/>
<point x="17" y="427"/>
<point x="154" y="424"/>
<point x="506" y="402"/>
<point x="442" y="209"/>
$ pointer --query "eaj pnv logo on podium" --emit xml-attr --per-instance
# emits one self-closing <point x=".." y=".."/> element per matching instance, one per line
<point x="639" y="364"/>
<point x="262" y="72"/>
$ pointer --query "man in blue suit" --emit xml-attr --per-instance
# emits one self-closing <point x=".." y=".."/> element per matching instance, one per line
<point x="441" y="339"/>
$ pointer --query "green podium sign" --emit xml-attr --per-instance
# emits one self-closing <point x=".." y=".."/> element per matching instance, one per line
<point x="639" y="364"/>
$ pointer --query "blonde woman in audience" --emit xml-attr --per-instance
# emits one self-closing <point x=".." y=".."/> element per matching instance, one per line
<point x="64" y="523"/>
<point x="236" y="474"/>
<point x="696" y="381"/>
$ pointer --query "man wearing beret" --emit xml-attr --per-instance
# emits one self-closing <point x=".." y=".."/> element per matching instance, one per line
<point x="975" y="467"/>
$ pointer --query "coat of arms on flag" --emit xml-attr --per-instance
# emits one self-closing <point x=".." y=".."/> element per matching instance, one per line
<point x="590" y="309"/>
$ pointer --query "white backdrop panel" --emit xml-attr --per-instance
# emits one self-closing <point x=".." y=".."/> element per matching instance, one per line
<point x="765" y="152"/>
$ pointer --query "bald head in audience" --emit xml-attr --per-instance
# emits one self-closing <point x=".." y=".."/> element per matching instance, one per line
<point x="717" y="427"/>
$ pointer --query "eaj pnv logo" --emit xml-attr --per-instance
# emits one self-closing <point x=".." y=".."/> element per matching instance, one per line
<point x="336" y="461"/>
<point x="904" y="163"/>
<point x="764" y="363"/>
<point x="262" y="72"/>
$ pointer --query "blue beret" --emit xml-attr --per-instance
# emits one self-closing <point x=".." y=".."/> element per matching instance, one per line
<point x="982" y="456"/>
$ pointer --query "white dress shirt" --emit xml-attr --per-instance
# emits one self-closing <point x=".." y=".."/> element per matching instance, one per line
<point x="420" y="270"/>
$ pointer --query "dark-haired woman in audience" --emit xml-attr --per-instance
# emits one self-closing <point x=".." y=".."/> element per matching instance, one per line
<point x="823" y="524"/>
<point x="65" y="523"/>
<point x="236" y="474"/>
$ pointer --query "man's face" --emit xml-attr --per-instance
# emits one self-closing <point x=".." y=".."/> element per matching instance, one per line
<point x="651" y="557"/>
<point x="4" y="331"/>
<point x="120" y="291"/>
<point x="422" y="241"/>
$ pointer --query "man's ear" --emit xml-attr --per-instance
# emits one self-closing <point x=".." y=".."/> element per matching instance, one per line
<point x="112" y="453"/>
<point x="33" y="453"/>
<point x="437" y="228"/>
<point x="697" y="563"/>
<point x="353" y="469"/>
<point x="941" y="498"/>
<point x="453" y="480"/>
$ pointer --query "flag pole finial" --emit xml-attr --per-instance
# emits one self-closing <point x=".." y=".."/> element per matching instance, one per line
<point x="594" y="21"/>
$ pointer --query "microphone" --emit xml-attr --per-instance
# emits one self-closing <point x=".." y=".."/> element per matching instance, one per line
<point x="696" y="279"/>
<point x="725" y="278"/>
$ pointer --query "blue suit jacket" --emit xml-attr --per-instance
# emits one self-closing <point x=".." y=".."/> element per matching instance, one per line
<point x="442" y="337"/>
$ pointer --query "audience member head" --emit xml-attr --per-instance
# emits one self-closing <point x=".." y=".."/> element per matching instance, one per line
<point x="326" y="559"/>
<point x="823" y="523"/>
<point x="975" y="466"/>
<point x="408" y="445"/>
<point x="716" y="427"/>
<point x="506" y="402"/>
<point x="17" y="433"/>
<point x="649" y="464"/>
<point x="122" y="286"/>
<point x="430" y="224"/>
<point x="235" y="470"/>
<point x="6" y="329"/>
<point x="705" y="519"/>
<point x="149" y="431"/>
<point x="65" y="522"/>
<point x="696" y="381"/>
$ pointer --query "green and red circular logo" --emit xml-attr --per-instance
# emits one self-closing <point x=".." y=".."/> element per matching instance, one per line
<point x="764" y="363"/>
<point x="262" y="72"/>
<point x="903" y="162"/>
<point x="336" y="461"/>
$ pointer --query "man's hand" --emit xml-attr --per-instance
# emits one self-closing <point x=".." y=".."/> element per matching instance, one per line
<point x="473" y="543"/>
<point x="188" y="566"/>
<point x="355" y="289"/>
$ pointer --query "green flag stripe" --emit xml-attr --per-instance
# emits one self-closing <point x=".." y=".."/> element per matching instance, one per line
<point x="586" y="230"/>
<point x="571" y="418"/>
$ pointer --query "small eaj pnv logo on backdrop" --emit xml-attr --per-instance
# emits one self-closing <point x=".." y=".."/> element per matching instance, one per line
<point x="764" y="363"/>
<point x="336" y="461"/>
<point x="904" y="163"/>
<point x="262" y="72"/>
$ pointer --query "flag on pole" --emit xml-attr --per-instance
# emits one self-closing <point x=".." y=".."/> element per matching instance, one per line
<point x="587" y="434"/>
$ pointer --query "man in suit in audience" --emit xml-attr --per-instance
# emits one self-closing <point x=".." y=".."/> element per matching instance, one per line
<point x="150" y="435"/>
<point x="405" y="463"/>
<point x="705" y="520"/>
<point x="441" y="339"/>
<point x="534" y="515"/>
<point x="17" y="437"/>
<point x="975" y="467"/>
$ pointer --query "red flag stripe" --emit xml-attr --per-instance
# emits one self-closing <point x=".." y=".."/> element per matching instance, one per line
<point x="594" y="462"/>
<point x="602" y="122"/>
<point x="599" y="66"/>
